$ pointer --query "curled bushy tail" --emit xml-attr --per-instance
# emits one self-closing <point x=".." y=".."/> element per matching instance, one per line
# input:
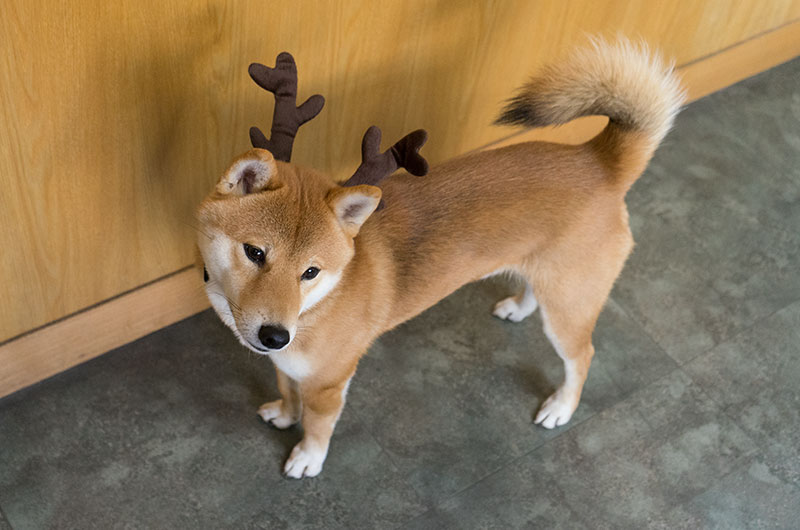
<point x="638" y="92"/>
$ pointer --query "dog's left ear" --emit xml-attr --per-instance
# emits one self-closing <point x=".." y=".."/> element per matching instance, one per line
<point x="252" y="172"/>
<point x="353" y="205"/>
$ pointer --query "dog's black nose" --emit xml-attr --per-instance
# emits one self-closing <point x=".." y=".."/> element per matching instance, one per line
<point x="273" y="337"/>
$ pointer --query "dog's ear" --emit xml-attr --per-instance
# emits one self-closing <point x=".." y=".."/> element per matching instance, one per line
<point x="353" y="205"/>
<point x="252" y="172"/>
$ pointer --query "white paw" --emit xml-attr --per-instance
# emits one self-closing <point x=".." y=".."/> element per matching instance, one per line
<point x="510" y="309"/>
<point x="304" y="461"/>
<point x="556" y="410"/>
<point x="273" y="413"/>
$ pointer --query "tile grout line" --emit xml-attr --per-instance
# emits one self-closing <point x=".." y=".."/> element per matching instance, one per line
<point x="387" y="454"/>
<point x="716" y="343"/>
<point x="725" y="409"/>
<point x="746" y="462"/>
<point x="503" y="466"/>
<point x="4" y="517"/>
<point x="374" y="438"/>
<point x="643" y="329"/>
<point x="759" y="452"/>
<point x="623" y="396"/>
<point x="702" y="243"/>
<point x="678" y="367"/>
<point x="542" y="445"/>
<point x="738" y="333"/>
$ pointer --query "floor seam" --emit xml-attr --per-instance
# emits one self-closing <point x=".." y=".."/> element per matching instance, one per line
<point x="738" y="333"/>
<point x="643" y="327"/>
<point x="507" y="464"/>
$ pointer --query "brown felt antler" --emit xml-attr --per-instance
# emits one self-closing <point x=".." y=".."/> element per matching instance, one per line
<point x="376" y="166"/>
<point x="286" y="118"/>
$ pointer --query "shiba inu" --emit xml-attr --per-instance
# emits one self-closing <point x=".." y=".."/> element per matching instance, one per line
<point x="308" y="272"/>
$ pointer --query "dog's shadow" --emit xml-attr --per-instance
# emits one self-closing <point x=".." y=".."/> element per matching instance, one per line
<point x="258" y="378"/>
<point x="535" y="360"/>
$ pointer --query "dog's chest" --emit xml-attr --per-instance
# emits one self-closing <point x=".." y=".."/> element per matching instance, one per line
<point x="292" y="363"/>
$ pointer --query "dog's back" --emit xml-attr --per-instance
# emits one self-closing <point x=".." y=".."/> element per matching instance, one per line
<point x="552" y="214"/>
<point x="498" y="208"/>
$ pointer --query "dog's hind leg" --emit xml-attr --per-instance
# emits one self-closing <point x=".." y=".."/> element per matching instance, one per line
<point x="572" y="341"/>
<point x="571" y="294"/>
<point x="516" y="308"/>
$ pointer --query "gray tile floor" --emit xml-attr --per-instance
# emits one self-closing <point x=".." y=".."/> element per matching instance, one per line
<point x="690" y="418"/>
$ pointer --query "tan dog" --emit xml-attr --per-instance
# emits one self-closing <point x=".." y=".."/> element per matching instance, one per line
<point x="303" y="271"/>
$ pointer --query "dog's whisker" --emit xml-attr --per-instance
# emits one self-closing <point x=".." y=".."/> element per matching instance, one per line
<point x="233" y="304"/>
<point x="197" y="229"/>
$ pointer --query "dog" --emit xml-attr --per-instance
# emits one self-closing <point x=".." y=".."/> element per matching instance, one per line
<point x="305" y="271"/>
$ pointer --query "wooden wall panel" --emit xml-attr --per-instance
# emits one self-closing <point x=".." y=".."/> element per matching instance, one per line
<point x="116" y="118"/>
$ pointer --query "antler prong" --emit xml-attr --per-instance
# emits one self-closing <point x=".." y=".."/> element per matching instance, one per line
<point x="376" y="166"/>
<point x="286" y="117"/>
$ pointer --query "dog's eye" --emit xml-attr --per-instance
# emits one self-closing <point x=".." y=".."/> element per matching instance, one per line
<point x="310" y="273"/>
<point x="254" y="254"/>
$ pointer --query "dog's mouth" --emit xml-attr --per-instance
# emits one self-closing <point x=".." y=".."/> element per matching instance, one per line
<point x="244" y="338"/>
<point x="247" y="343"/>
<point x="258" y="348"/>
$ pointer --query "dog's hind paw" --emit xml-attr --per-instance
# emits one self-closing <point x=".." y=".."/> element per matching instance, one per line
<point x="274" y="414"/>
<point x="556" y="410"/>
<point x="510" y="309"/>
<point x="304" y="461"/>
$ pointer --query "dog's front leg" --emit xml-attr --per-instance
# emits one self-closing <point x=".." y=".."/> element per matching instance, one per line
<point x="284" y="412"/>
<point x="321" y="409"/>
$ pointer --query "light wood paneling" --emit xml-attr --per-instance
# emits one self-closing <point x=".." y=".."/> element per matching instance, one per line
<point x="116" y="117"/>
<point x="81" y="337"/>
<point x="59" y="346"/>
<point x="700" y="78"/>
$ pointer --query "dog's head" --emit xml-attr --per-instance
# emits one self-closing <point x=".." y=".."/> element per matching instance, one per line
<point x="275" y="240"/>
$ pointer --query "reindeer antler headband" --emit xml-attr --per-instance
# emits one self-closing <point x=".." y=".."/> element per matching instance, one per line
<point x="287" y="119"/>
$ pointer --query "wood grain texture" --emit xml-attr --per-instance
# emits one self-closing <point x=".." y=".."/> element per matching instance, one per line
<point x="700" y="78"/>
<point x="116" y="118"/>
<point x="55" y="348"/>
<point x="59" y="346"/>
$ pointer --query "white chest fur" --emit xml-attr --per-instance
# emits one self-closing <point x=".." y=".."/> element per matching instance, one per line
<point x="293" y="363"/>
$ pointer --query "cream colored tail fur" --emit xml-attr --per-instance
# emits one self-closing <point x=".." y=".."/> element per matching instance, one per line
<point x="639" y="93"/>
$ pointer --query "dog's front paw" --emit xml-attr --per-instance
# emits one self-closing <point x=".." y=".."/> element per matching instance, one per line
<point x="274" y="414"/>
<point x="557" y="409"/>
<point x="510" y="309"/>
<point x="305" y="461"/>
